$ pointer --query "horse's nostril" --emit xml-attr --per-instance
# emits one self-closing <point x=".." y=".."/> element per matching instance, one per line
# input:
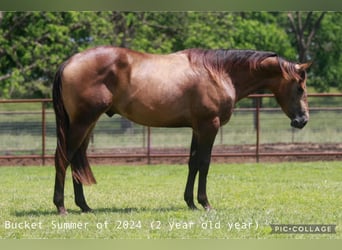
<point x="295" y="123"/>
<point x="299" y="123"/>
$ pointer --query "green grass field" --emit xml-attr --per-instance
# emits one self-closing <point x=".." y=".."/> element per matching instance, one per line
<point x="143" y="202"/>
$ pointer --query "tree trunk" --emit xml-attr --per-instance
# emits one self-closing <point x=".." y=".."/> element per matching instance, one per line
<point x="304" y="26"/>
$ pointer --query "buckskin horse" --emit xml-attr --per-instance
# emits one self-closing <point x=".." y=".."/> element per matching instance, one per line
<point x="195" y="88"/>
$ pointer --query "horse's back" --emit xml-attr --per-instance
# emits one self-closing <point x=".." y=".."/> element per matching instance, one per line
<point x="149" y="89"/>
<point x="119" y="80"/>
<point x="95" y="61"/>
<point x="158" y="91"/>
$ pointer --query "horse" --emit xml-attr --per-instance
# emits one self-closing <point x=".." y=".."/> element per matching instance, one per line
<point x="196" y="88"/>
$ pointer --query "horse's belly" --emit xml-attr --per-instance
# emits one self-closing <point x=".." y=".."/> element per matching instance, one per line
<point x="156" y="115"/>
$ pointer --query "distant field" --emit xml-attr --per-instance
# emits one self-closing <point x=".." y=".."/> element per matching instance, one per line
<point x="143" y="202"/>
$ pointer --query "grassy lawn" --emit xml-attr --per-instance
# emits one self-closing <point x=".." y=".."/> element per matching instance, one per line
<point x="143" y="202"/>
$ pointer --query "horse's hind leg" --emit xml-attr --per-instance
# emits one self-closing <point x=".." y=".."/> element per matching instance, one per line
<point x="77" y="142"/>
<point x="81" y="173"/>
<point x="79" y="197"/>
<point x="80" y="158"/>
<point x="61" y="165"/>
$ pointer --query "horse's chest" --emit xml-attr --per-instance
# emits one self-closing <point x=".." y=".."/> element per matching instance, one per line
<point x="226" y="111"/>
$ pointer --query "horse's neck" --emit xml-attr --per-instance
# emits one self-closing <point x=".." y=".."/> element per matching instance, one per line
<point x="249" y="80"/>
<point x="247" y="83"/>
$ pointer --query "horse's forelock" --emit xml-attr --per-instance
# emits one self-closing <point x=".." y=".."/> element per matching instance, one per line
<point x="289" y="70"/>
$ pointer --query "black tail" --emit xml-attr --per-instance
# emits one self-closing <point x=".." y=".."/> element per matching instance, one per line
<point x="80" y="166"/>
<point x="62" y="119"/>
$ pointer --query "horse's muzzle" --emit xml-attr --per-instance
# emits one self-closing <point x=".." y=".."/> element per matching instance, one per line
<point x="299" y="122"/>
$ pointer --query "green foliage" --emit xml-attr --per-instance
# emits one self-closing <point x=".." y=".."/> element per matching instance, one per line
<point x="253" y="34"/>
<point x="327" y="57"/>
<point x="153" y="32"/>
<point x="210" y="30"/>
<point x="33" y="44"/>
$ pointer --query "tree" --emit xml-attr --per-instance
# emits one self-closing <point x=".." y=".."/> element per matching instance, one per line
<point x="33" y="44"/>
<point x="304" y="27"/>
<point x="326" y="56"/>
<point x="317" y="37"/>
<point x="246" y="30"/>
<point x="155" y="32"/>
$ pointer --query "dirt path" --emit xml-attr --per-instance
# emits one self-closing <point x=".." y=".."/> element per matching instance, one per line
<point x="133" y="156"/>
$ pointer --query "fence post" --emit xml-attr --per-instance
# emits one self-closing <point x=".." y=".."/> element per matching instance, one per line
<point x="148" y="145"/>
<point x="257" y="116"/>
<point x="43" y="132"/>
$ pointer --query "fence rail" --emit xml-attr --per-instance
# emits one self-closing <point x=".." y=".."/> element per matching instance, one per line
<point x="38" y="123"/>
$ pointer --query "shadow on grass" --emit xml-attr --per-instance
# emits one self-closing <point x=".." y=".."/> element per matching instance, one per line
<point x="137" y="210"/>
<point x="39" y="213"/>
<point x="33" y="213"/>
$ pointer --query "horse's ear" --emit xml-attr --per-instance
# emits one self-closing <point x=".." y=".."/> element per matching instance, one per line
<point x="303" y="66"/>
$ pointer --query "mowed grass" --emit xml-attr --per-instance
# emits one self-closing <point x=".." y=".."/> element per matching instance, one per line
<point x="143" y="202"/>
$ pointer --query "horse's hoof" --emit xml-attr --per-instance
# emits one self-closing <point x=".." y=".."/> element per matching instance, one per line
<point x="62" y="211"/>
<point x="192" y="207"/>
<point x="87" y="210"/>
<point x="208" y="208"/>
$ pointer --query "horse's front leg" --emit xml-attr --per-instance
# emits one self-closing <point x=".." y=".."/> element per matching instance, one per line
<point x="206" y="138"/>
<point x="193" y="169"/>
<point x="204" y="163"/>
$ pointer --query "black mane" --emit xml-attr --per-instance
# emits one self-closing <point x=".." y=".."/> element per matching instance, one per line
<point x="221" y="60"/>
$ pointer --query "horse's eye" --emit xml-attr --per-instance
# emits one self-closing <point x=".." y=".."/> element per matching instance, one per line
<point x="300" y="90"/>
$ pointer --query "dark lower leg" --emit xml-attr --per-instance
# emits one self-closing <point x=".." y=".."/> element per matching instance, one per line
<point x="189" y="189"/>
<point x="205" y="145"/>
<point x="79" y="196"/>
<point x="58" y="197"/>
<point x="80" y="161"/>
<point x="202" y="194"/>
<point x="204" y="163"/>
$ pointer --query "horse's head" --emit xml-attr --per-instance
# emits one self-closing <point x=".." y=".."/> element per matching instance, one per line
<point x="291" y="93"/>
